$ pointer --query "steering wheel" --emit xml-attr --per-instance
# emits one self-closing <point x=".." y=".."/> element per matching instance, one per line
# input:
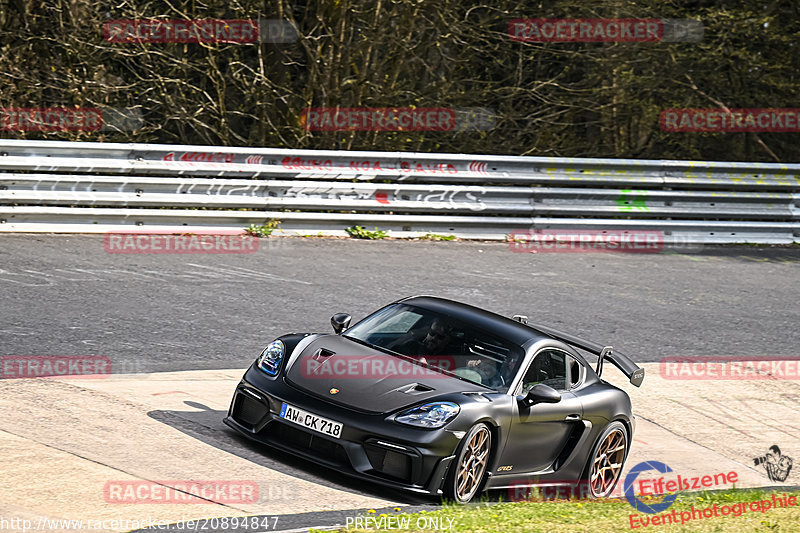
<point x="469" y="374"/>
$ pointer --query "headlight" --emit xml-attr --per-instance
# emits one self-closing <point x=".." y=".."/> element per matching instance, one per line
<point x="430" y="415"/>
<point x="270" y="359"/>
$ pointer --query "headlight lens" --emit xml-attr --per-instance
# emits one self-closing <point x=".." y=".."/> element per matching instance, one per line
<point x="270" y="359"/>
<point x="430" y="415"/>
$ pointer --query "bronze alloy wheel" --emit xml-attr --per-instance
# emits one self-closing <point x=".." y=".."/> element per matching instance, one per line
<point x="607" y="462"/>
<point x="472" y="463"/>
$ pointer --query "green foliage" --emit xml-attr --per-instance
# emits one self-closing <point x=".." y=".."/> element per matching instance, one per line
<point x="357" y="232"/>
<point x="610" y="515"/>
<point x="437" y="237"/>
<point x="262" y="230"/>
<point x="553" y="99"/>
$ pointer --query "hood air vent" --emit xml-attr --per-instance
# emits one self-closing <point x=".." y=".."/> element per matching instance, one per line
<point x="415" y="388"/>
<point x="322" y="354"/>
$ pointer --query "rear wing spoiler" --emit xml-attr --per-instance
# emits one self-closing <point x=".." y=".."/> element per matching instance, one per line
<point x="633" y="371"/>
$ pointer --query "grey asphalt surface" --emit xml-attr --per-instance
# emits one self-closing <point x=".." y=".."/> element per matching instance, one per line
<point x="65" y="295"/>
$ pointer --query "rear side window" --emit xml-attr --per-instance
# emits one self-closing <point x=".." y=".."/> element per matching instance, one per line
<point x="577" y="372"/>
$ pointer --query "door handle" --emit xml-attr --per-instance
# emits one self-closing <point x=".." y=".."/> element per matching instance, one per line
<point x="572" y="418"/>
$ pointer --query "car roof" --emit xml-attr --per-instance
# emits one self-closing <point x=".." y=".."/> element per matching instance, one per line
<point x="499" y="325"/>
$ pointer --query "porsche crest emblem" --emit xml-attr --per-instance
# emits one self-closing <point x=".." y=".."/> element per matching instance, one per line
<point x="334" y="391"/>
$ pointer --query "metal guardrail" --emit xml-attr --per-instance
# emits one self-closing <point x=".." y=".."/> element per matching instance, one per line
<point x="96" y="187"/>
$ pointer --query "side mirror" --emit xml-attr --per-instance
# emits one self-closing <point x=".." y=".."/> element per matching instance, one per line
<point x="542" y="393"/>
<point x="340" y="322"/>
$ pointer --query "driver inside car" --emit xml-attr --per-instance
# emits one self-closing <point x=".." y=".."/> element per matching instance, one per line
<point x="438" y="340"/>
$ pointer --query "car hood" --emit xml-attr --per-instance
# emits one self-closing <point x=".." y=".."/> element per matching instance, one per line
<point x="347" y="373"/>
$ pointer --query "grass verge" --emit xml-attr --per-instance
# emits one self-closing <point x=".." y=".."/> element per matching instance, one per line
<point x="602" y="516"/>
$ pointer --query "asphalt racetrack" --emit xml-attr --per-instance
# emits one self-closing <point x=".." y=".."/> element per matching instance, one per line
<point x="65" y="295"/>
<point x="150" y="314"/>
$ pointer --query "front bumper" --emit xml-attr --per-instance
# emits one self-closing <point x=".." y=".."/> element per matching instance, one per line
<point x="370" y="447"/>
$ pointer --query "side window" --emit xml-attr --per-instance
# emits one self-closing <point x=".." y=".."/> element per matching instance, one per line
<point x="548" y="367"/>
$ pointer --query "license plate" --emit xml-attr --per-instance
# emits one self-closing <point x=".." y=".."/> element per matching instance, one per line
<point x="311" y="421"/>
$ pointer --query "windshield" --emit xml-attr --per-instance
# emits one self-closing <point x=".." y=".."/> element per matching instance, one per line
<point x="440" y="341"/>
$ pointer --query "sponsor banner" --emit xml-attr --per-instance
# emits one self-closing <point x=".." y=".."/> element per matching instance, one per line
<point x="181" y="492"/>
<point x="727" y="368"/>
<point x="397" y="119"/>
<point x="629" y="30"/>
<point x="69" y="119"/>
<point x="338" y="165"/>
<point x="160" y="243"/>
<point x="577" y="241"/>
<point x="779" y="120"/>
<point x="207" y="157"/>
<point x="45" y="366"/>
<point x="199" y="31"/>
<point x="341" y="366"/>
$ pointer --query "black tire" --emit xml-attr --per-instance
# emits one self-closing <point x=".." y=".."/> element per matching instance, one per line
<point x="467" y="474"/>
<point x="604" y="467"/>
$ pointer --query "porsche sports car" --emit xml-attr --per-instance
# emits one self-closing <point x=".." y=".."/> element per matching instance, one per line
<point x="442" y="398"/>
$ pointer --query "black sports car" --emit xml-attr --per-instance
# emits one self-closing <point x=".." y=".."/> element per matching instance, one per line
<point x="440" y="397"/>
